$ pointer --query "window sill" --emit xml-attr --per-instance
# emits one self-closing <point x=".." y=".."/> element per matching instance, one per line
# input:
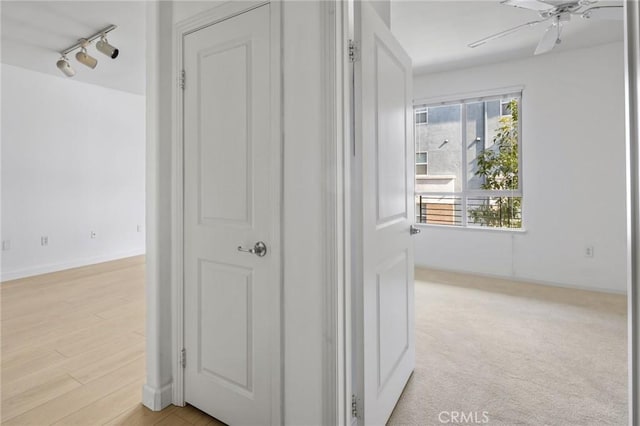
<point x="436" y="177"/>
<point x="473" y="228"/>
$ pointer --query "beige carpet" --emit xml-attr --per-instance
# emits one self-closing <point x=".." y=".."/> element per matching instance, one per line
<point x="524" y="354"/>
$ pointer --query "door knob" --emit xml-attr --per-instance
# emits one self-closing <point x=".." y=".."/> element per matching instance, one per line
<point x="260" y="249"/>
<point x="413" y="230"/>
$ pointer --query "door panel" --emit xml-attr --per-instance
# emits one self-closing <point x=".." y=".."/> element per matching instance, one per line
<point x="393" y="314"/>
<point x="391" y="154"/>
<point x="230" y="177"/>
<point x="230" y="120"/>
<point x="383" y="169"/>
<point x="225" y="319"/>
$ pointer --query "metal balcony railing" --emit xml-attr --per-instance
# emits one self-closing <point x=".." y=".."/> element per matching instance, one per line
<point x="439" y="210"/>
<point x="500" y="211"/>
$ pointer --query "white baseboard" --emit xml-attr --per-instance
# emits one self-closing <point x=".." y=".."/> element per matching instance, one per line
<point x="157" y="399"/>
<point x="61" y="266"/>
<point x="525" y="280"/>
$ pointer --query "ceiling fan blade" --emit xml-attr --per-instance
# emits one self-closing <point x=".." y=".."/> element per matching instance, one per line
<point x="528" y="4"/>
<point x="504" y="33"/>
<point x="604" y="12"/>
<point x="548" y="40"/>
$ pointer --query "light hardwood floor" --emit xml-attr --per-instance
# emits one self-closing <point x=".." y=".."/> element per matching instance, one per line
<point x="73" y="350"/>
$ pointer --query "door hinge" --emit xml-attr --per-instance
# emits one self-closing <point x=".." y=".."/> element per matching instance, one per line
<point x="183" y="358"/>
<point x="354" y="51"/>
<point x="354" y="406"/>
<point x="182" y="79"/>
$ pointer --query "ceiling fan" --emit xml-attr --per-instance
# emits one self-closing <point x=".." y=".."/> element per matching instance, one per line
<point x="557" y="13"/>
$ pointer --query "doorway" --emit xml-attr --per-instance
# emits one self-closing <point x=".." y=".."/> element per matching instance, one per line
<point x="231" y="189"/>
<point x="463" y="241"/>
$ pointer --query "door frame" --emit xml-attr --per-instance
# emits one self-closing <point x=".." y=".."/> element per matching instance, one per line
<point x="632" y="119"/>
<point x="337" y="390"/>
<point x="181" y="29"/>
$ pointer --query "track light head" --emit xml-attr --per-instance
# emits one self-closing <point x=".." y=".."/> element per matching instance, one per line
<point x="104" y="47"/>
<point x="64" y="66"/>
<point x="85" y="59"/>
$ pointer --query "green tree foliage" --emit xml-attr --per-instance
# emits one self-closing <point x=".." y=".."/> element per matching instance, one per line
<point x="498" y="168"/>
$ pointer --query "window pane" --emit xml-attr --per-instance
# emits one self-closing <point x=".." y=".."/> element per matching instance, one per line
<point x="439" y="210"/>
<point x="475" y="140"/>
<point x="421" y="169"/>
<point x="441" y="137"/>
<point x="421" y="158"/>
<point x="492" y="146"/>
<point x="505" y="110"/>
<point x="493" y="121"/>
<point x="495" y="212"/>
<point x="421" y="117"/>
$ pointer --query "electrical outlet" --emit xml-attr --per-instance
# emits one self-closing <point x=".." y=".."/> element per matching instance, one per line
<point x="44" y="241"/>
<point x="93" y="234"/>
<point x="6" y="245"/>
<point x="588" y="251"/>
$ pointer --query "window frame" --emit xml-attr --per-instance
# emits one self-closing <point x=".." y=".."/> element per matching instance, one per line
<point x="465" y="193"/>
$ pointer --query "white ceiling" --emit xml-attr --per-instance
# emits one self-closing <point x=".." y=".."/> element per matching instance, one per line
<point x="436" y="33"/>
<point x="33" y="32"/>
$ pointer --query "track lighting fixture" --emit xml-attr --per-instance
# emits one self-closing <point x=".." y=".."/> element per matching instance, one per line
<point x="83" y="56"/>
<point x="63" y="65"/>
<point x="104" y="47"/>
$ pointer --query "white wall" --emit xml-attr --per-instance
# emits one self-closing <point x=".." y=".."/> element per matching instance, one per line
<point x="72" y="163"/>
<point x="573" y="152"/>
<point x="158" y="389"/>
<point x="304" y="186"/>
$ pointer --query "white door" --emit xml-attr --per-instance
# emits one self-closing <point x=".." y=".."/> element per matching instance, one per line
<point x="384" y="169"/>
<point x="231" y="193"/>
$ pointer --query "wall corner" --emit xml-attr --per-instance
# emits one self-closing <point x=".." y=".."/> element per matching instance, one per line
<point x="156" y="399"/>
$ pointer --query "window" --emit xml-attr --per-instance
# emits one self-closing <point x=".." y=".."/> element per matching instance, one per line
<point x="505" y="109"/>
<point x="422" y="159"/>
<point x="468" y="161"/>
<point x="421" y="116"/>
